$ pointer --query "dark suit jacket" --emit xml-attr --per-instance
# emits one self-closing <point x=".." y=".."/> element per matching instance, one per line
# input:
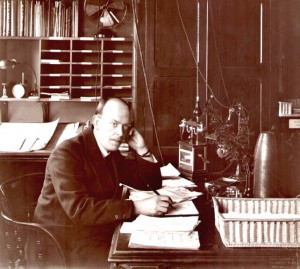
<point x="79" y="189"/>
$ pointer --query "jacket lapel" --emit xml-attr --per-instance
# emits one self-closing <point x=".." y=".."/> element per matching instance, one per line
<point x="98" y="164"/>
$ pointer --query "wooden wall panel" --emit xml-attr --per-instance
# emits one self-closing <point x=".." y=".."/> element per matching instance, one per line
<point x="233" y="55"/>
<point x="171" y="45"/>
<point x="171" y="96"/>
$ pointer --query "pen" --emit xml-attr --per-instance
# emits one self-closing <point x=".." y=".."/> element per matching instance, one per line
<point x="157" y="193"/>
<point x="128" y="187"/>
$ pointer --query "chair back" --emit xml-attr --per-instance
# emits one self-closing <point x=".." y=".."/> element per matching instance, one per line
<point x="19" y="198"/>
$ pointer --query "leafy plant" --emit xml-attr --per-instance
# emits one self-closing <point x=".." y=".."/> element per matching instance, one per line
<point x="231" y="135"/>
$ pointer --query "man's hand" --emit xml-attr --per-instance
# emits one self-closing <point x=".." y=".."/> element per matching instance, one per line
<point x="136" y="141"/>
<point x="156" y="205"/>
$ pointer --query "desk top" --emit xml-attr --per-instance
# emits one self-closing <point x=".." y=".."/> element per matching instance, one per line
<point x="211" y="254"/>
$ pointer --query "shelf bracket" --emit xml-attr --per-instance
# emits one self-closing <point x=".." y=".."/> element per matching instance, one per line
<point x="4" y="111"/>
<point x="45" y="108"/>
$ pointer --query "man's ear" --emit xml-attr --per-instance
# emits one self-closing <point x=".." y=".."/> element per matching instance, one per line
<point x="95" y="120"/>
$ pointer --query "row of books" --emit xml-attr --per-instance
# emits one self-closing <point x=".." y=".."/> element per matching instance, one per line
<point x="33" y="18"/>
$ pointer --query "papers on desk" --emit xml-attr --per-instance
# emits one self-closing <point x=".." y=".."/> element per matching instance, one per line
<point x="169" y="171"/>
<point x="165" y="233"/>
<point x="177" y="194"/>
<point x="164" y="224"/>
<point x="181" y="197"/>
<point x="186" y="208"/>
<point x="22" y="137"/>
<point x="164" y="240"/>
<point x="178" y="182"/>
<point x="176" y="229"/>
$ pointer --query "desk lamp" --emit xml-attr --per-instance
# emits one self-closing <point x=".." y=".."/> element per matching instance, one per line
<point x="5" y="64"/>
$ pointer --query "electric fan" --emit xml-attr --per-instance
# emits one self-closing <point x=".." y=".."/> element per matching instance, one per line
<point x="107" y="14"/>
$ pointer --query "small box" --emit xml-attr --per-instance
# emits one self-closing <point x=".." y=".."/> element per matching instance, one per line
<point x="294" y="123"/>
<point x="258" y="222"/>
<point x="192" y="161"/>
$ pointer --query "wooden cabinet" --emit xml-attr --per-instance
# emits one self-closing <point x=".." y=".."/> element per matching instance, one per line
<point x="86" y="68"/>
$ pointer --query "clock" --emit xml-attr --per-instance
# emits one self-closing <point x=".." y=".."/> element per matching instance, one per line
<point x="18" y="90"/>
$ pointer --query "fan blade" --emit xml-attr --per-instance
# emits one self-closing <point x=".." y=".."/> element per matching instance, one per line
<point x="106" y="19"/>
<point x="116" y="4"/>
<point x="90" y="10"/>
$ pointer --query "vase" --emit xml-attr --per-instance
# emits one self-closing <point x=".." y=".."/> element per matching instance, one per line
<point x="265" y="166"/>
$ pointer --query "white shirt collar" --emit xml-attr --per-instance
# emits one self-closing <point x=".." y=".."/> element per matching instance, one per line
<point x="102" y="149"/>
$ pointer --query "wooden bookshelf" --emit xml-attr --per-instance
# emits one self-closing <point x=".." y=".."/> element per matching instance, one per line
<point x="87" y="67"/>
<point x="72" y="64"/>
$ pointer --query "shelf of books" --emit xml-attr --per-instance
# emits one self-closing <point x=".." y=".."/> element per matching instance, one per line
<point x="32" y="18"/>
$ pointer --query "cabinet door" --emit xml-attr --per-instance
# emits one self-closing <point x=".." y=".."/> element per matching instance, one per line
<point x="234" y="48"/>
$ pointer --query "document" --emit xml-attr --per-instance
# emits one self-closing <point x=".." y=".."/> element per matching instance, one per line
<point x="178" y="182"/>
<point x="168" y="171"/>
<point x="23" y="137"/>
<point x="183" y="209"/>
<point x="177" y="194"/>
<point x="165" y="224"/>
<point x="163" y="232"/>
<point x="164" y="240"/>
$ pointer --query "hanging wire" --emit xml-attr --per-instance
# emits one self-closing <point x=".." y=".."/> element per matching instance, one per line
<point x="98" y="72"/>
<point x="145" y="77"/>
<point x="217" y="51"/>
<point x="195" y="60"/>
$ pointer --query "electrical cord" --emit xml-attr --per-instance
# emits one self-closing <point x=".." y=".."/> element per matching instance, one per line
<point x="145" y="78"/>
<point x="195" y="60"/>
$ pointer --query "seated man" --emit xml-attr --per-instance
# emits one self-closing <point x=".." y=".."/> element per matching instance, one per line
<point x="81" y="186"/>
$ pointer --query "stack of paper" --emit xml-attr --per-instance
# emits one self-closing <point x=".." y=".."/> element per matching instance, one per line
<point x="165" y="240"/>
<point x="163" y="233"/>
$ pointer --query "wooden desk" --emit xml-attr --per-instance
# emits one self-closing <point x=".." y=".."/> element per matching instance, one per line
<point x="212" y="253"/>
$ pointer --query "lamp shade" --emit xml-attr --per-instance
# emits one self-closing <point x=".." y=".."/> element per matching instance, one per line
<point x="5" y="63"/>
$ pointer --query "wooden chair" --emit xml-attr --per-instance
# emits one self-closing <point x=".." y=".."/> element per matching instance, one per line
<point x="18" y="200"/>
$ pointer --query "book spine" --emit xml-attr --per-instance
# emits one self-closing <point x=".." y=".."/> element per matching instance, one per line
<point x="49" y="26"/>
<point x="75" y="18"/>
<point x="14" y="17"/>
<point x="1" y="17"/>
<point x="56" y="21"/>
<point x="26" y="21"/>
<point x="37" y="19"/>
<point x="4" y="18"/>
<point x="21" y="11"/>
<point x="31" y="20"/>
<point x="8" y="18"/>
